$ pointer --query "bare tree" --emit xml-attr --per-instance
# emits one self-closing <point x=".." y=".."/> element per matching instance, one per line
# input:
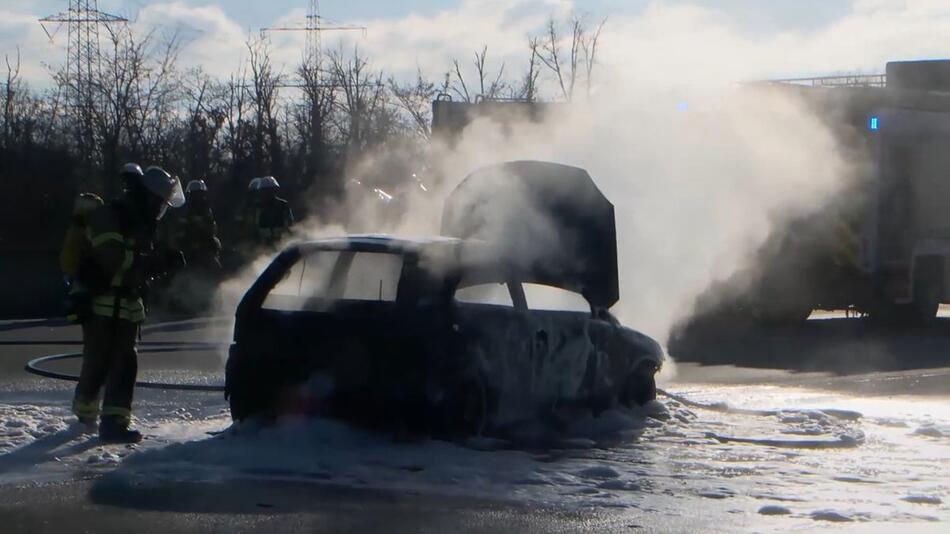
<point x="571" y="61"/>
<point x="135" y="99"/>
<point x="10" y="93"/>
<point x="529" y="84"/>
<point x="237" y="131"/>
<point x="311" y="119"/>
<point x="23" y="112"/>
<point x="206" y="119"/>
<point x="160" y="92"/>
<point x="415" y="99"/>
<point x="264" y="87"/>
<point x="363" y="95"/>
<point x="489" y="86"/>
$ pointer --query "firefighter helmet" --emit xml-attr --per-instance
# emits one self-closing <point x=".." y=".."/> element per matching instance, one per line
<point x="158" y="182"/>
<point x="131" y="169"/>
<point x="268" y="182"/>
<point x="196" y="185"/>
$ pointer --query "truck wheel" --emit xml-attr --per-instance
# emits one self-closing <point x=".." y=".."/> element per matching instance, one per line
<point x="927" y="296"/>
<point x="928" y="293"/>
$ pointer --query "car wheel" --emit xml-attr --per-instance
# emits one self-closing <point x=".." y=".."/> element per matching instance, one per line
<point x="640" y="386"/>
<point x="601" y="403"/>
<point x="251" y="395"/>
<point x="240" y="407"/>
<point x="464" y="412"/>
<point x="475" y="408"/>
<point x="245" y="405"/>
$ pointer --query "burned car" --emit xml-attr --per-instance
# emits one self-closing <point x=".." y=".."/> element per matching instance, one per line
<point x="465" y="334"/>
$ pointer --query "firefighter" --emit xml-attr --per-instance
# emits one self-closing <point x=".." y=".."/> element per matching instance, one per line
<point x="196" y="232"/>
<point x="115" y="271"/>
<point x="273" y="217"/>
<point x="246" y="220"/>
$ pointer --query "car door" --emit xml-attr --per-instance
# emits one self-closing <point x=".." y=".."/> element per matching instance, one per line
<point x="562" y="352"/>
<point x="492" y="339"/>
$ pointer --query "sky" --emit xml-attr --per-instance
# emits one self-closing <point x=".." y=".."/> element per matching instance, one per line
<point x="737" y="39"/>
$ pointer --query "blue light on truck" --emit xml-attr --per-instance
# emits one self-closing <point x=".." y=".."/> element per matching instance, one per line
<point x="873" y="123"/>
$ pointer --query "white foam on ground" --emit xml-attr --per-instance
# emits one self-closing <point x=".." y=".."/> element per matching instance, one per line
<point x="900" y="473"/>
<point x="21" y="424"/>
<point x="336" y="452"/>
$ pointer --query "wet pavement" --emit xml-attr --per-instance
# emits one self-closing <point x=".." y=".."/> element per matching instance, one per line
<point x="732" y="449"/>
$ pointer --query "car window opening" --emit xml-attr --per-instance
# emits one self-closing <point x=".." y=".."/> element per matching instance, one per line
<point x="492" y="293"/>
<point x="320" y="279"/>
<point x="542" y="297"/>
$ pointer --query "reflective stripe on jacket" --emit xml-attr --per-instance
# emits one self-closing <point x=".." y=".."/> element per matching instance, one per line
<point x="131" y="309"/>
<point x="115" y="254"/>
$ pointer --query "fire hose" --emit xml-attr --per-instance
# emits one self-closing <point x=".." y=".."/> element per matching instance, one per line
<point x="36" y="366"/>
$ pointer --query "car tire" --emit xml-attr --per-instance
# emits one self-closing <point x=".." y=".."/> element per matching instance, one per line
<point x="240" y="410"/>
<point x="640" y="386"/>
<point x="601" y="403"/>
<point x="245" y="404"/>
<point x="464" y="412"/>
<point x="251" y="393"/>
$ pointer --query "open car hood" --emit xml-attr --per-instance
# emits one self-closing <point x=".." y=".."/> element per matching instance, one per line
<point x="548" y="219"/>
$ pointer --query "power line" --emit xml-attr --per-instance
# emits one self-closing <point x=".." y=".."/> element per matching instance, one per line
<point x="313" y="26"/>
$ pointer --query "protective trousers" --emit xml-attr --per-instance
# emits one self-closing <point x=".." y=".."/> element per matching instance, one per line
<point x="109" y="362"/>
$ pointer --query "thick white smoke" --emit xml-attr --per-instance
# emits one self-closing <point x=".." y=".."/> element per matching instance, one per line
<point x="696" y="181"/>
<point x="697" y="171"/>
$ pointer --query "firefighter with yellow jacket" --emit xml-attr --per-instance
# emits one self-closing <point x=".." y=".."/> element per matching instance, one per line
<point x="115" y="271"/>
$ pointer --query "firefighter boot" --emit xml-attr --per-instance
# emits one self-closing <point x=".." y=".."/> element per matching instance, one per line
<point x="116" y="430"/>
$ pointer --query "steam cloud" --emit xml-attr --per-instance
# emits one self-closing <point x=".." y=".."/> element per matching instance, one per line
<point x="698" y="174"/>
<point x="695" y="190"/>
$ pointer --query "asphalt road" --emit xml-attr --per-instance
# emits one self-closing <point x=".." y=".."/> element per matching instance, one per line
<point x="99" y="500"/>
